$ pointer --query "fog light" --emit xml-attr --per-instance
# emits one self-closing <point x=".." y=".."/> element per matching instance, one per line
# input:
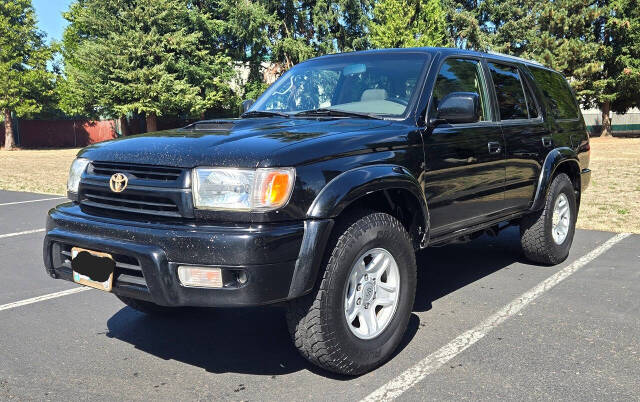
<point x="201" y="277"/>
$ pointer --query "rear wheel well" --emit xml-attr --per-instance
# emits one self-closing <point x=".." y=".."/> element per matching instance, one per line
<point x="397" y="202"/>
<point x="571" y="169"/>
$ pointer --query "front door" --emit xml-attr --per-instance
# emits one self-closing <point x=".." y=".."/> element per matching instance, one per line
<point x="464" y="163"/>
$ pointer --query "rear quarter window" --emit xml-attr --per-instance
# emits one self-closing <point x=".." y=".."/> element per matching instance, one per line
<point x="558" y="96"/>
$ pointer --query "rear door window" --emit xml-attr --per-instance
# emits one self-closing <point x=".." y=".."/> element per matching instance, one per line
<point x="460" y="75"/>
<point x="559" y="98"/>
<point x="509" y="91"/>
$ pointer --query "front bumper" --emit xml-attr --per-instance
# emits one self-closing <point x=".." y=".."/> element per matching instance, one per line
<point x="280" y="261"/>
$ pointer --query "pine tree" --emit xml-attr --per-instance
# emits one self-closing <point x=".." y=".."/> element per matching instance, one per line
<point x="408" y="23"/>
<point x="24" y="79"/>
<point x="153" y="57"/>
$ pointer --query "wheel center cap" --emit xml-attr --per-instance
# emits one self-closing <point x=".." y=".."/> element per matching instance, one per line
<point x="368" y="290"/>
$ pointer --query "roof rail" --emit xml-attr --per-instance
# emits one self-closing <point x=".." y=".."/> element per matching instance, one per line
<point x="516" y="58"/>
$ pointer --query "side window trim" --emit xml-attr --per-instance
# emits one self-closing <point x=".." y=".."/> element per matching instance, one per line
<point x="491" y="117"/>
<point x="528" y="82"/>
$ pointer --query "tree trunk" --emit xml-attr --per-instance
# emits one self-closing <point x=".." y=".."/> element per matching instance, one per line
<point x="124" y="128"/>
<point x="152" y="122"/>
<point x="606" y="121"/>
<point x="9" y="141"/>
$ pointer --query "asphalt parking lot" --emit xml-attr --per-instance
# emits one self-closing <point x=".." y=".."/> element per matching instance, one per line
<point x="485" y="325"/>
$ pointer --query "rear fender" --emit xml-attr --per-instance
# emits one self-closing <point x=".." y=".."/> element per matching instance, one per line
<point x="554" y="159"/>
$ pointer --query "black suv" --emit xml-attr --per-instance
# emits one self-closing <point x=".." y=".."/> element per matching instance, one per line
<point x="322" y="192"/>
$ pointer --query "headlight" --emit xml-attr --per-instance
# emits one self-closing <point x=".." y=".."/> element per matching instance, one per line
<point x="75" y="172"/>
<point x="242" y="189"/>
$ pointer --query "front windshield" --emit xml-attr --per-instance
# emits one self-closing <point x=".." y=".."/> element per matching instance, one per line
<point x="373" y="83"/>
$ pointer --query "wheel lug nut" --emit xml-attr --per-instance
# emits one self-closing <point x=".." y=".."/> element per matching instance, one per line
<point x="366" y="277"/>
<point x="366" y="305"/>
<point x="359" y="287"/>
<point x="359" y="301"/>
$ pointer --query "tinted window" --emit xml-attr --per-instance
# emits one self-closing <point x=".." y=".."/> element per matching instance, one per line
<point x="558" y="96"/>
<point x="531" y="104"/>
<point x="511" y="98"/>
<point x="459" y="75"/>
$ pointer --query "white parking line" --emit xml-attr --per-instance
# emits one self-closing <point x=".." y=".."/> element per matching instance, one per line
<point x="24" y="202"/>
<point x="43" y="298"/>
<point x="431" y="363"/>
<point x="2" y="236"/>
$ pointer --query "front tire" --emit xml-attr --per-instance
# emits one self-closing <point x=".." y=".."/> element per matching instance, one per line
<point x="357" y="314"/>
<point x="546" y="236"/>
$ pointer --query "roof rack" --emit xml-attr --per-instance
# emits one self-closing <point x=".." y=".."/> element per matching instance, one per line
<point x="516" y="58"/>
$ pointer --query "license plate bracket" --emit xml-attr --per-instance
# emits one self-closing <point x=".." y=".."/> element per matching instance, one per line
<point x="92" y="268"/>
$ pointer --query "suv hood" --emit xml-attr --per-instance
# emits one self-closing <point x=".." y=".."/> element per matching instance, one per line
<point x="232" y="142"/>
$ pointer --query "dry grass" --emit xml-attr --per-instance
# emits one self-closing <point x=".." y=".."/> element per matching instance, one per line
<point x="612" y="199"/>
<point x="611" y="202"/>
<point x="39" y="171"/>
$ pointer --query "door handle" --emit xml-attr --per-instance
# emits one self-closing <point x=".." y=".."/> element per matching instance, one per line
<point x="494" y="147"/>
<point x="547" y="142"/>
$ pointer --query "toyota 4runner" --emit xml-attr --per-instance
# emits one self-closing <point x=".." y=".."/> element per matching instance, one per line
<point x="320" y="194"/>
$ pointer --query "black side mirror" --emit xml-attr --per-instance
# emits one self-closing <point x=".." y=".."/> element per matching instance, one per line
<point x="457" y="108"/>
<point x="246" y="104"/>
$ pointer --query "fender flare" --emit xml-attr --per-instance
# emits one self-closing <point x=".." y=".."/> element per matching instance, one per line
<point x="336" y="195"/>
<point x="554" y="159"/>
<point x="353" y="184"/>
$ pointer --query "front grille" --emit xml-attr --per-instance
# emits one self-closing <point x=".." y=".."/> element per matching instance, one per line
<point x="135" y="171"/>
<point x="161" y="192"/>
<point x="128" y="271"/>
<point x="121" y="202"/>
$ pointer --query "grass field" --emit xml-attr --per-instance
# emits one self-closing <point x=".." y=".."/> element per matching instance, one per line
<point x="611" y="202"/>
<point x="39" y="171"/>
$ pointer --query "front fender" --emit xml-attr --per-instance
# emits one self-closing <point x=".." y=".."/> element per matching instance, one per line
<point x="554" y="159"/>
<point x="338" y="194"/>
<point x="347" y="187"/>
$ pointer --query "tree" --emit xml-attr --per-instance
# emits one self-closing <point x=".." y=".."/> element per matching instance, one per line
<point x="617" y="86"/>
<point x="408" y="23"/>
<point x="24" y="79"/>
<point x="592" y="42"/>
<point x="152" y="57"/>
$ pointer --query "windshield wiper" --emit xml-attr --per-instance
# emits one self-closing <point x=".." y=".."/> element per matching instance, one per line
<point x="336" y="113"/>
<point x="263" y="113"/>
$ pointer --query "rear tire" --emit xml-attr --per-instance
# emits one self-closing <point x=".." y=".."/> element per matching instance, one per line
<point x="375" y="244"/>
<point x="545" y="239"/>
<point x="148" y="307"/>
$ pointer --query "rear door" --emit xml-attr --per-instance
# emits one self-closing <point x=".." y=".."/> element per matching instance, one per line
<point x="464" y="163"/>
<point x="527" y="138"/>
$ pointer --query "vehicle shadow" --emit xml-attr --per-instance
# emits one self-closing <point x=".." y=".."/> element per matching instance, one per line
<point x="443" y="270"/>
<point x="256" y="340"/>
<point x="242" y="340"/>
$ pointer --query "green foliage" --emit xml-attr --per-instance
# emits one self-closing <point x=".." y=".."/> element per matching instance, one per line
<point x="25" y="83"/>
<point x="623" y="26"/>
<point x="408" y="23"/>
<point x="135" y="56"/>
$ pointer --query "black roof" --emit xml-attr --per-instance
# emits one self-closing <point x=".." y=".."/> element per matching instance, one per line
<point x="446" y="51"/>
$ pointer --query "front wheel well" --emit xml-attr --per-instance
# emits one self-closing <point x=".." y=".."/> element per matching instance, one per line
<point x="397" y="202"/>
